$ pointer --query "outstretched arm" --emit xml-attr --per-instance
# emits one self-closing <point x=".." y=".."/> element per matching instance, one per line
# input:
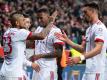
<point x="64" y="38"/>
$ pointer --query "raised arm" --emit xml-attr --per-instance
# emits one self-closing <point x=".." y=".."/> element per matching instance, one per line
<point x="44" y="33"/>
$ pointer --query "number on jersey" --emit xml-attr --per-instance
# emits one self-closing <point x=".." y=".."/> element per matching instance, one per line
<point x="7" y="45"/>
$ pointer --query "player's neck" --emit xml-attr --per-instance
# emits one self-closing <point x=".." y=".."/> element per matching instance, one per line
<point x="95" y="19"/>
<point x="44" y="26"/>
<point x="18" y="27"/>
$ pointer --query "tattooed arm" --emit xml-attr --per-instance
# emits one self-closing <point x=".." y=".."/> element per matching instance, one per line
<point x="57" y="53"/>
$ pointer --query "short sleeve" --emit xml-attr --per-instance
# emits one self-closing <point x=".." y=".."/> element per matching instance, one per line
<point x="99" y="34"/>
<point x="22" y="34"/>
<point x="55" y="39"/>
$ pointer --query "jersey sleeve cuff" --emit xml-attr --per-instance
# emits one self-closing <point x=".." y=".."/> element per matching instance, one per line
<point x="29" y="35"/>
<point x="99" y="40"/>
<point x="82" y="57"/>
<point x="60" y="43"/>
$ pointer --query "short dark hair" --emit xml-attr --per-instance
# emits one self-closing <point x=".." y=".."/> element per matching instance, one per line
<point x="26" y="15"/>
<point x="44" y="10"/>
<point x="92" y="5"/>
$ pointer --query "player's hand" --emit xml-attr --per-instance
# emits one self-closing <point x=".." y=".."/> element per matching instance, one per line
<point x="62" y="37"/>
<point x="52" y="19"/>
<point x="70" y="62"/>
<point x="53" y="16"/>
<point x="36" y="67"/>
<point x="76" y="60"/>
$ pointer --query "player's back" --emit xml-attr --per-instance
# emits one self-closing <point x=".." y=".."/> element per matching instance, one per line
<point x="14" y="52"/>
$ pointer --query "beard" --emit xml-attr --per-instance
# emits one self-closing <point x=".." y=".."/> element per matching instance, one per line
<point x="86" y="19"/>
<point x="42" y="25"/>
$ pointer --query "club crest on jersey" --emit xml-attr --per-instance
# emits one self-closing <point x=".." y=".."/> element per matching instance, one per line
<point x="100" y="29"/>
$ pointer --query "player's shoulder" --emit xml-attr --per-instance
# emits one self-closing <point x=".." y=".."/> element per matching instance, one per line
<point x="100" y="27"/>
<point x="10" y="30"/>
<point x="23" y="31"/>
<point x="55" y="28"/>
<point x="100" y="24"/>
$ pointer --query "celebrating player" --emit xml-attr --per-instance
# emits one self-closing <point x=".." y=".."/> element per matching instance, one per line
<point x="47" y="49"/>
<point x="14" y="42"/>
<point x="96" y="43"/>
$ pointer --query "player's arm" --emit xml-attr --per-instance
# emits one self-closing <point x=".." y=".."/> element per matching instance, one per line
<point x="41" y="35"/>
<point x="64" y="38"/>
<point x="99" y="41"/>
<point x="38" y="56"/>
<point x="56" y="53"/>
<point x="35" y="66"/>
<point x="58" y="49"/>
<point x="95" y="51"/>
<point x="92" y="53"/>
<point x="30" y="43"/>
<point x="78" y="47"/>
<point x="45" y="32"/>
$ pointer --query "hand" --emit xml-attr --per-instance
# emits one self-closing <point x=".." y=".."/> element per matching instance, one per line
<point x="62" y="37"/>
<point x="70" y="61"/>
<point x="73" y="60"/>
<point x="76" y="60"/>
<point x="36" y="67"/>
<point x="53" y="16"/>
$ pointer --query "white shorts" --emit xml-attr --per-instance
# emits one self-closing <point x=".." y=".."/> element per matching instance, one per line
<point x="93" y="76"/>
<point x="45" y="74"/>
